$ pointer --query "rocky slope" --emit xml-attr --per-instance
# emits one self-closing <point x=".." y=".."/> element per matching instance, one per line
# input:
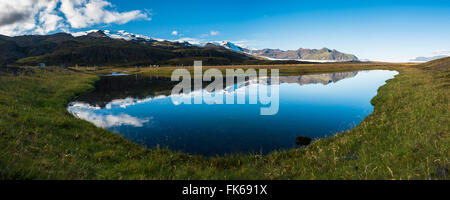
<point x="323" y="54"/>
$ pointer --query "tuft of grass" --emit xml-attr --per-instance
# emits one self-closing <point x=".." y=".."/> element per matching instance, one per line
<point x="406" y="137"/>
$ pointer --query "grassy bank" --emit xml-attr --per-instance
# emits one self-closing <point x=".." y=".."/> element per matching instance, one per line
<point x="405" y="138"/>
<point x="284" y="69"/>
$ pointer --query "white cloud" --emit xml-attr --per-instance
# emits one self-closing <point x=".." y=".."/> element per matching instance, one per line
<point x="214" y="33"/>
<point x="85" y="13"/>
<point x="174" y="32"/>
<point x="19" y="17"/>
<point x="441" y="52"/>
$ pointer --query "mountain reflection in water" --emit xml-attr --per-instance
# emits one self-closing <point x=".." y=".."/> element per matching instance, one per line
<point x="110" y="88"/>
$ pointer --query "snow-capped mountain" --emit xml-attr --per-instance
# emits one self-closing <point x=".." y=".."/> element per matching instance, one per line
<point x="130" y="36"/>
<point x="110" y="48"/>
<point x="226" y="44"/>
<point x="232" y="46"/>
<point x="115" y="35"/>
<point x="126" y="36"/>
<point x="308" y="55"/>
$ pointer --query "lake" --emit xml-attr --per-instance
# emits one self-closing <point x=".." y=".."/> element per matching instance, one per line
<point x="140" y="108"/>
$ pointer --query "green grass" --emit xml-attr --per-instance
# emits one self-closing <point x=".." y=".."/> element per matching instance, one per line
<point x="405" y="138"/>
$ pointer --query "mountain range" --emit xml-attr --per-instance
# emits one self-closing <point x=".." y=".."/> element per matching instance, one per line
<point x="314" y="55"/>
<point x="317" y="55"/>
<point x="99" y="47"/>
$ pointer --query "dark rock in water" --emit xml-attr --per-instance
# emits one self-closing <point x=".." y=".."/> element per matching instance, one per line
<point x="303" y="141"/>
<point x="351" y="157"/>
<point x="441" y="172"/>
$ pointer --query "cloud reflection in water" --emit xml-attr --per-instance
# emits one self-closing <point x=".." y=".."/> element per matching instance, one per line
<point x="86" y="112"/>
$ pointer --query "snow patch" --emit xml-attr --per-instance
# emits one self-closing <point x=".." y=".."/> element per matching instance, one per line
<point x="115" y="35"/>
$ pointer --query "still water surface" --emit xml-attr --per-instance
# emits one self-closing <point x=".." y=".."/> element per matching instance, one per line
<point x="141" y="109"/>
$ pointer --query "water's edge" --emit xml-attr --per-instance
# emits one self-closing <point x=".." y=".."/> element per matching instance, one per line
<point x="92" y="83"/>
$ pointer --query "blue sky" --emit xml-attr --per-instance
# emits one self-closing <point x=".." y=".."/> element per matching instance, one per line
<point x="377" y="30"/>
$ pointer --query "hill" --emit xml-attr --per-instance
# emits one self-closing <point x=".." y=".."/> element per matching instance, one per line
<point x="442" y="64"/>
